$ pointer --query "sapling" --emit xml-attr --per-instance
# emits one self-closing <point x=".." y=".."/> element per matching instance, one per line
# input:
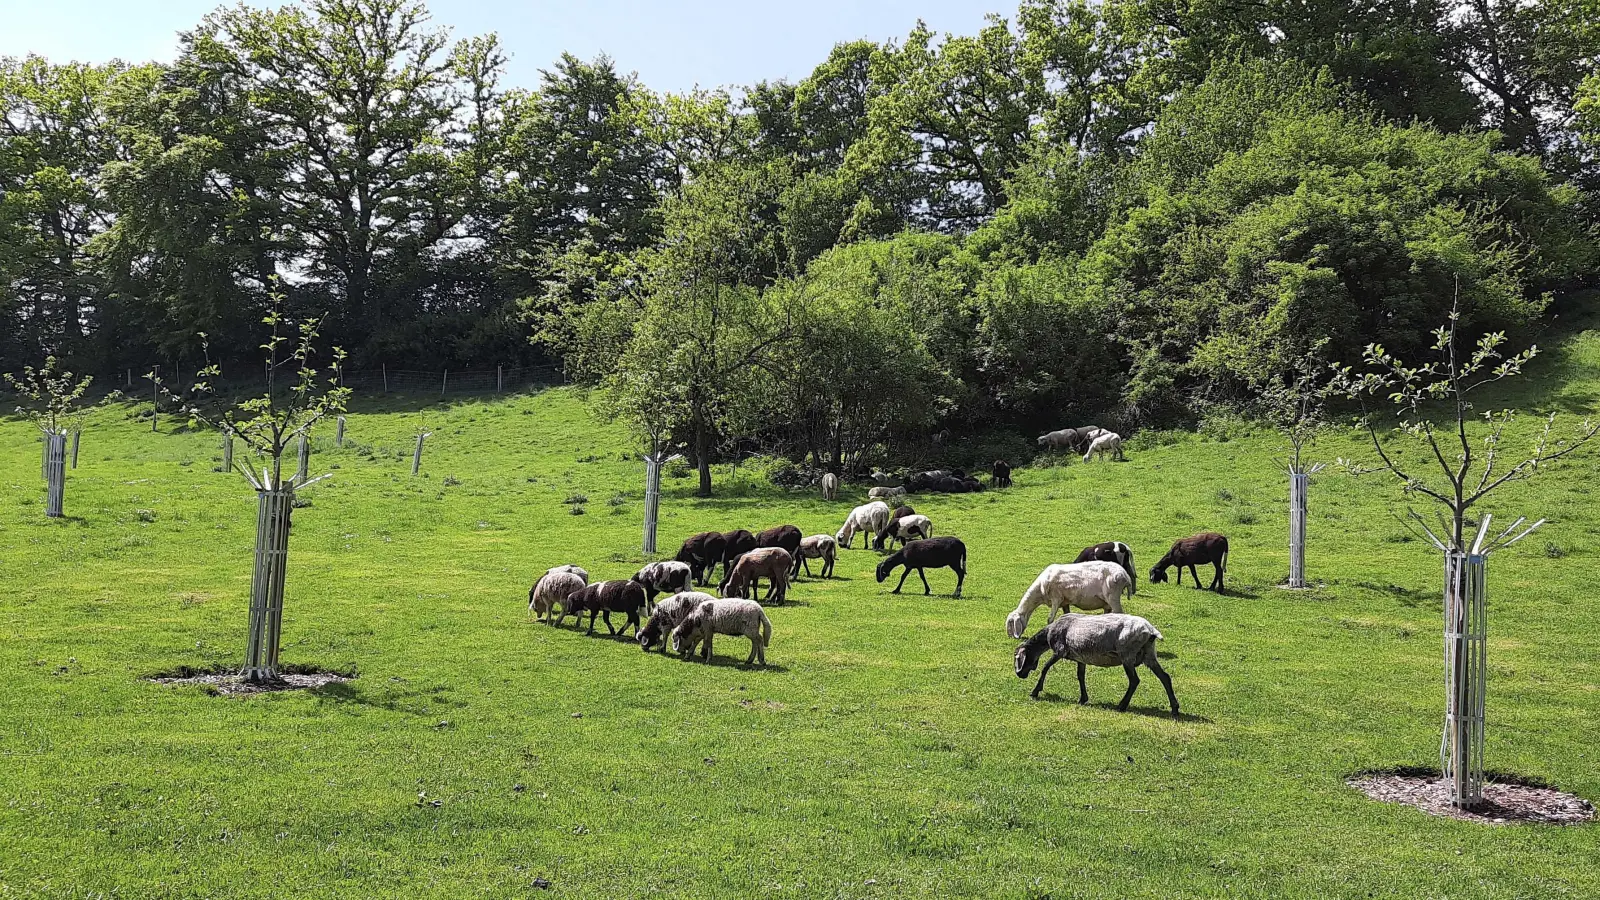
<point x="55" y="405"/>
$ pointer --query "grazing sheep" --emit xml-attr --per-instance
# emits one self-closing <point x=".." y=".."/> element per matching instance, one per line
<point x="1206" y="547"/>
<point x="900" y="512"/>
<point x="738" y="543"/>
<point x="555" y="586"/>
<point x="1103" y="443"/>
<point x="1113" y="551"/>
<point x="1001" y="474"/>
<point x="868" y="518"/>
<point x="1073" y="439"/>
<point x="933" y="553"/>
<point x="702" y="552"/>
<point x="1087" y="585"/>
<point x="1107" y="640"/>
<point x="730" y="615"/>
<point x="669" y="612"/>
<point x="663" y="578"/>
<point x="830" y="486"/>
<point x="603" y="599"/>
<point x="785" y="536"/>
<point x="886" y="493"/>
<point x="883" y="479"/>
<point x="903" y="529"/>
<point x="575" y="570"/>
<point x="771" y="563"/>
<point x="818" y="546"/>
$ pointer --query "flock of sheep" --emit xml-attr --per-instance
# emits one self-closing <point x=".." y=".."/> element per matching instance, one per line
<point x="688" y="619"/>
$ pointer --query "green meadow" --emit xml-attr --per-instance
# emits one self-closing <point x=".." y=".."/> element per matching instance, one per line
<point x="887" y="751"/>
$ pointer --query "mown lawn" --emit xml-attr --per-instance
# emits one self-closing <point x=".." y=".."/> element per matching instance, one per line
<point x="888" y="751"/>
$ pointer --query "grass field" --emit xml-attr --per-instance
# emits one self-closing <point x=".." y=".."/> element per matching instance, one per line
<point x="887" y="751"/>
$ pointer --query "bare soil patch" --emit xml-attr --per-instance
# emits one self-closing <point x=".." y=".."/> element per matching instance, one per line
<point x="1507" y="799"/>
<point x="227" y="682"/>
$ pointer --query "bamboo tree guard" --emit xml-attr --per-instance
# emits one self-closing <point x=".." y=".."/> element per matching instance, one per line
<point x="55" y="467"/>
<point x="1299" y="481"/>
<point x="338" y="432"/>
<point x="416" y="458"/>
<point x="652" y="492"/>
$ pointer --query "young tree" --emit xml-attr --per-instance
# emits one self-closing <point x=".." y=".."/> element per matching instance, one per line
<point x="1296" y="410"/>
<point x="298" y="395"/>
<point x="54" y="404"/>
<point x="1465" y="455"/>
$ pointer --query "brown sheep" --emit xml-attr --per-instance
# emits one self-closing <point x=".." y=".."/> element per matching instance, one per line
<point x="1206" y="547"/>
<point x="772" y="563"/>
<point x="603" y="599"/>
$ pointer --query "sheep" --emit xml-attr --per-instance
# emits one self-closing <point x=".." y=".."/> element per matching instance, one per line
<point x="868" y="518"/>
<point x="737" y="543"/>
<point x="785" y="536"/>
<point x="1086" y="585"/>
<point x="603" y="599"/>
<point x="1070" y="438"/>
<point x="883" y="479"/>
<point x="730" y="615"/>
<point x="702" y="552"/>
<point x="903" y="529"/>
<point x="1199" y="549"/>
<point x="900" y="511"/>
<point x="933" y="553"/>
<point x="555" y="586"/>
<point x="1103" y="443"/>
<point x="575" y="570"/>
<point x="830" y="486"/>
<point x="1107" y="640"/>
<point x="886" y="493"/>
<point x="818" y="546"/>
<point x="1001" y="474"/>
<point x="1117" y="552"/>
<point x="669" y="612"/>
<point x="663" y="577"/>
<point x="772" y="563"/>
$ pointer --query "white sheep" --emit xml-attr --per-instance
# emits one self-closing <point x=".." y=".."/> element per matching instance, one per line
<point x="553" y="587"/>
<point x="830" y="486"/>
<point x="818" y="546"/>
<point x="665" y="577"/>
<point x="1108" y="640"/>
<point x="869" y="518"/>
<point x="886" y="493"/>
<point x="1103" y="443"/>
<point x="575" y="570"/>
<point x="1087" y="585"/>
<point x="730" y="615"/>
<point x="669" y="612"/>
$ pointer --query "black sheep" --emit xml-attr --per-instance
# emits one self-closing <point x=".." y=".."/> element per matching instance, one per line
<point x="933" y="553"/>
<point x="605" y="598"/>
<point x="1206" y="547"/>
<point x="1114" y="552"/>
<point x="702" y="552"/>
<point x="736" y="544"/>
<point x="1002" y="474"/>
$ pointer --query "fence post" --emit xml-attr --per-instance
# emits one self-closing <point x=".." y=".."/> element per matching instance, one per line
<point x="1465" y="665"/>
<point x="266" y="587"/>
<point x="227" y="450"/>
<point x="55" y="443"/>
<point x="385" y="367"/>
<point x="155" y="397"/>
<point x="338" y="432"/>
<point x="76" y="433"/>
<point x="443" y="385"/>
<point x="416" y="458"/>
<point x="500" y="379"/>
<point x="303" y="452"/>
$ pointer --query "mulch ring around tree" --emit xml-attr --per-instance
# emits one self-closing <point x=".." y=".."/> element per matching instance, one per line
<point x="1507" y="799"/>
<point x="227" y="682"/>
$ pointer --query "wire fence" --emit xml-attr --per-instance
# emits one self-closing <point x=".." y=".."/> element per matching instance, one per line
<point x="441" y="382"/>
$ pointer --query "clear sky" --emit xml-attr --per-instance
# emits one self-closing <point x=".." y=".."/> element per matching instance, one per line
<point x="672" y="45"/>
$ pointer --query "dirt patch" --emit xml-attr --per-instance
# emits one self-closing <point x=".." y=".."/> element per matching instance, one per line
<point x="1506" y="799"/>
<point x="229" y="683"/>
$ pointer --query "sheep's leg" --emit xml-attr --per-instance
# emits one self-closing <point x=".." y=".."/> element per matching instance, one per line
<point x="606" y="615"/>
<point x="1133" y="685"/>
<point x="926" y="591"/>
<point x="1216" y="583"/>
<point x="705" y="655"/>
<point x="1194" y="576"/>
<point x="1045" y="671"/>
<point x="961" y="578"/>
<point x="1166" y="681"/>
<point x="755" y="644"/>
<point x="902" y="581"/>
<point x="592" y="615"/>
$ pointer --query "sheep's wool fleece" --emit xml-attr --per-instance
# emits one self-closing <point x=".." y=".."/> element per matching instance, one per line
<point x="1108" y="639"/>
<point x="556" y="586"/>
<point x="676" y="608"/>
<point x="734" y="615"/>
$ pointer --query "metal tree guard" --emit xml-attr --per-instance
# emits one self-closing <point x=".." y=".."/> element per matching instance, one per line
<point x="273" y="507"/>
<point x="1466" y="632"/>
<point x="55" y="472"/>
<point x="1299" y="480"/>
<point x="652" y="492"/>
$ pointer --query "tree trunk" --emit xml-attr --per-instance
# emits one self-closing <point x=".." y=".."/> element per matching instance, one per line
<point x="266" y="586"/>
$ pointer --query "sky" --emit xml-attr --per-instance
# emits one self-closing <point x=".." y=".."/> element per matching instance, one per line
<point x="674" y="46"/>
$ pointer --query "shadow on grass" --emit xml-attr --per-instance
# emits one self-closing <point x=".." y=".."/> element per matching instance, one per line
<point x="1151" y="712"/>
<point x="1408" y="597"/>
<point x="410" y="702"/>
<point x="731" y="662"/>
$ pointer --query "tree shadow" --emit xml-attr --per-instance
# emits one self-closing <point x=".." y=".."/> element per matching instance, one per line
<point x="349" y="692"/>
<point x="1408" y="597"/>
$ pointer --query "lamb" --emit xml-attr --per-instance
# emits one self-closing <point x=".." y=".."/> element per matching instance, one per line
<point x="1113" y="551"/>
<point x="555" y="586"/>
<point x="730" y="615"/>
<point x="903" y="529"/>
<point x="662" y="578"/>
<point x="1001" y="473"/>
<point x="830" y="486"/>
<point x="669" y="612"/>
<point x="865" y="519"/>
<point x="818" y="546"/>
<point x="785" y="536"/>
<point x="886" y="493"/>
<point x="1199" y="549"/>
<point x="1107" y="640"/>
<point x="1086" y="585"/>
<point x="933" y="553"/>
<point x="737" y="543"/>
<point x="702" y="552"/>
<point x="603" y="599"/>
<point x="1103" y="443"/>
<point x="772" y="563"/>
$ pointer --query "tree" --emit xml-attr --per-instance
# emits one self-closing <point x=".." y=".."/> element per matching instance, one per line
<point x="54" y="404"/>
<point x="1465" y="453"/>
<point x="297" y="396"/>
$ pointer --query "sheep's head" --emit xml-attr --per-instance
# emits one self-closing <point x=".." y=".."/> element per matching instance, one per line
<point x="1158" y="575"/>
<point x="1044" y="439"/>
<point x="1026" y="661"/>
<point x="1016" y="623"/>
<point x="648" y="636"/>
<point x="884" y="568"/>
